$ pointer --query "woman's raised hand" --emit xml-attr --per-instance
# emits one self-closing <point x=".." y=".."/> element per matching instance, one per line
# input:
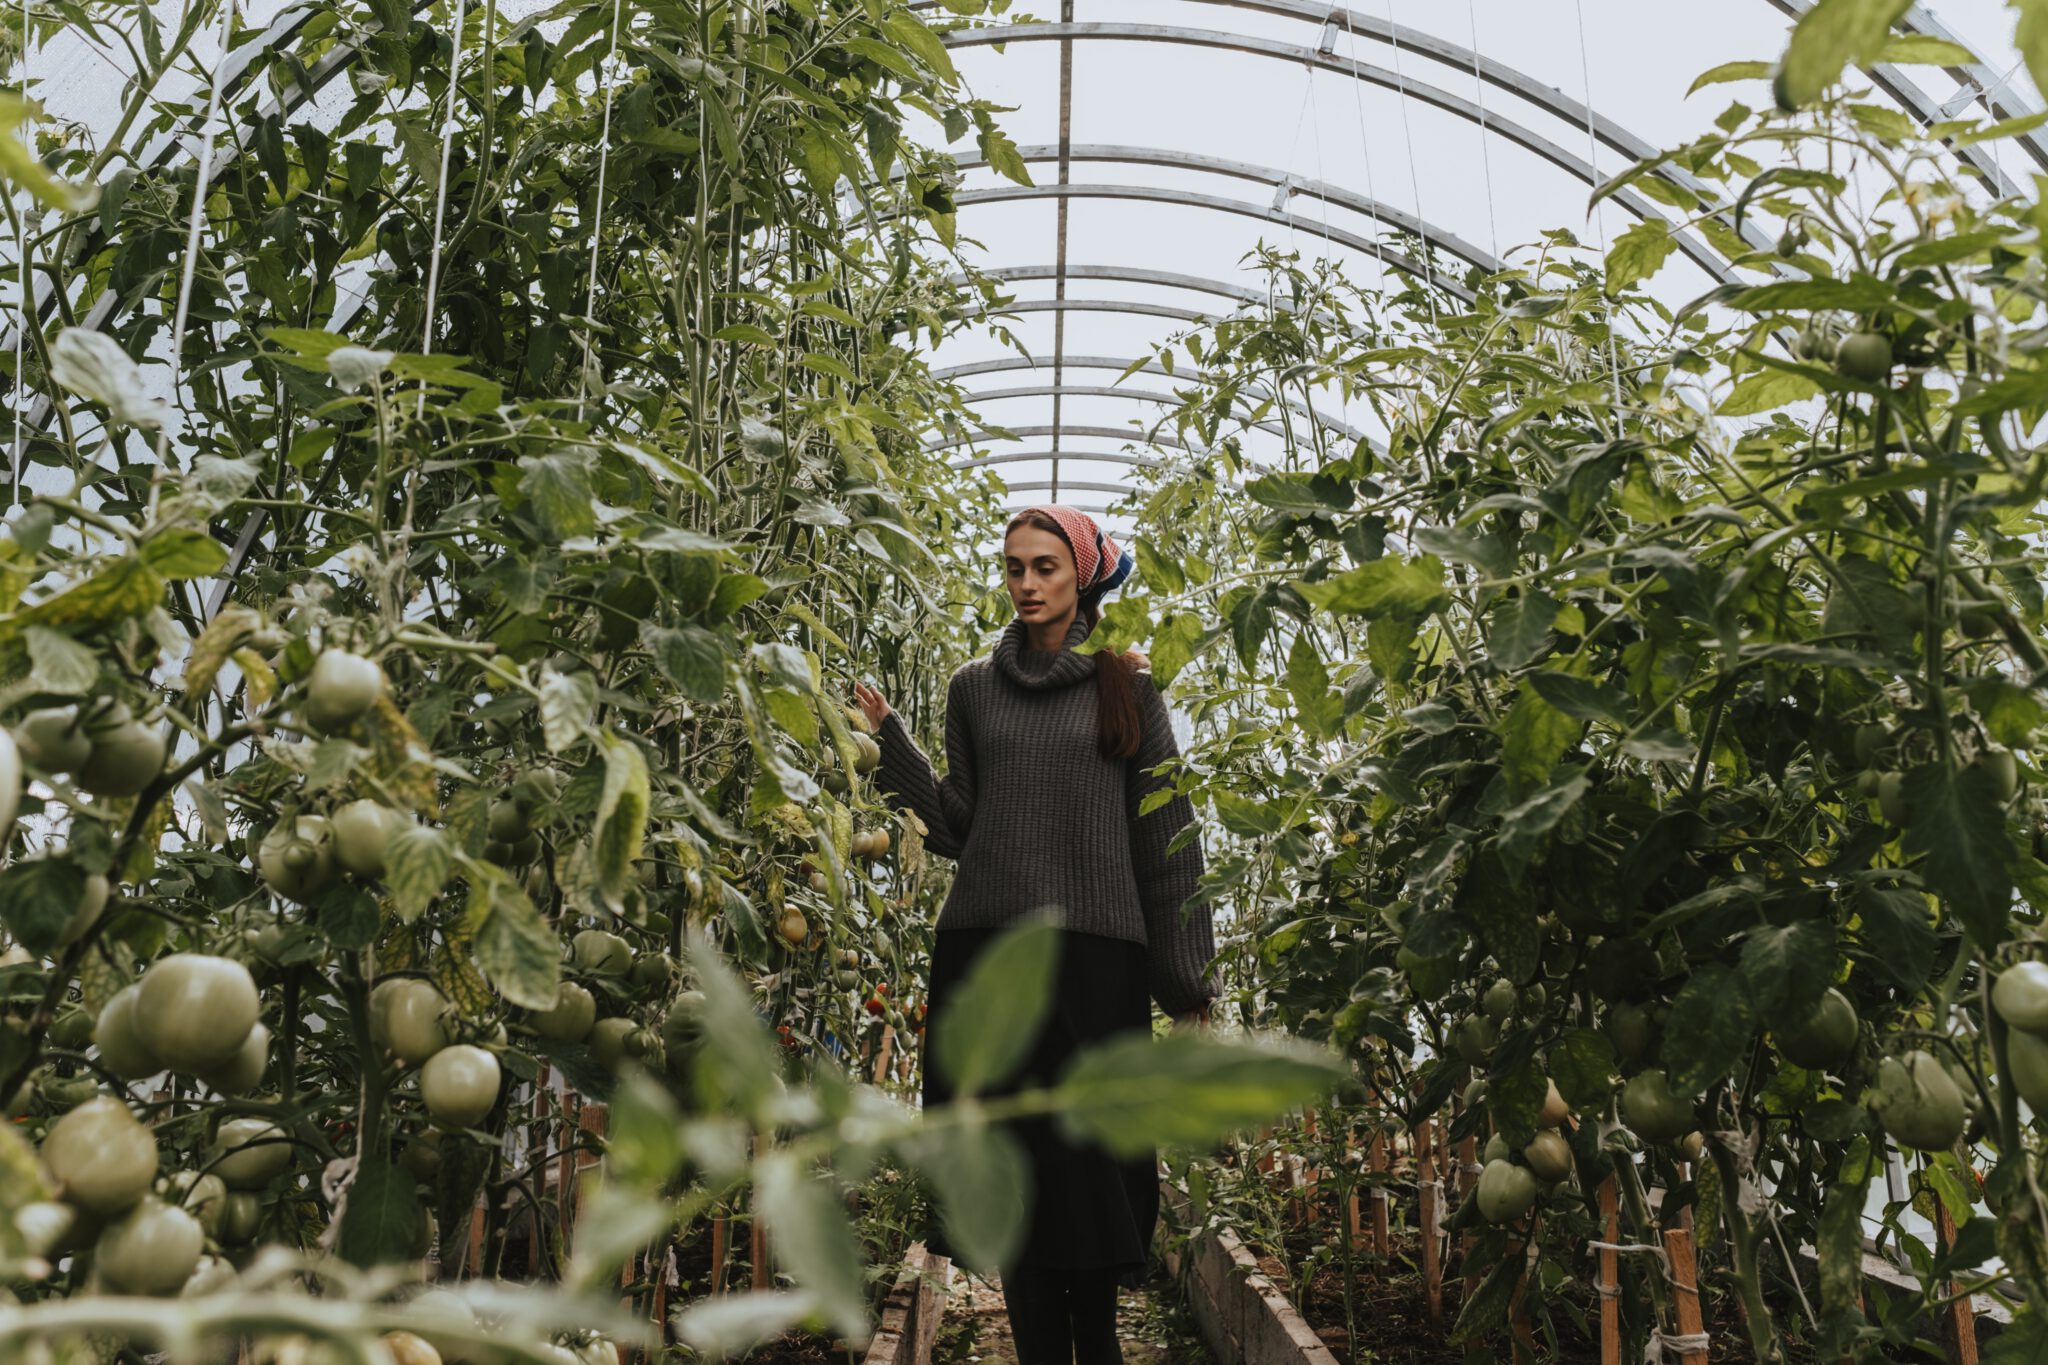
<point x="871" y="705"/>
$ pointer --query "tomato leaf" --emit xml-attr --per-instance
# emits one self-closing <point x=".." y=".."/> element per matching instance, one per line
<point x="1712" y="1023"/>
<point x="1582" y="1064"/>
<point x="621" y="817"/>
<point x="995" y="1019"/>
<point x="382" y="1217"/>
<point x="1133" y="1094"/>
<point x="1897" y="926"/>
<point x="1829" y="36"/>
<point x="416" y="867"/>
<point x="1958" y="827"/>
<point x="982" y="1178"/>
<point x="38" y="896"/>
<point x="1788" y="967"/>
<point x="515" y="948"/>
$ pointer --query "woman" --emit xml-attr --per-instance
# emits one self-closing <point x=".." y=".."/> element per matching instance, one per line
<point x="1039" y="805"/>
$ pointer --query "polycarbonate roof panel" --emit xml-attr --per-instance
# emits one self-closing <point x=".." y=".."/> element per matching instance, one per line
<point x="1196" y="129"/>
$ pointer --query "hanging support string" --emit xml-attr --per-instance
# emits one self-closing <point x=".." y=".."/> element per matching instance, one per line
<point x="1485" y="134"/>
<point x="441" y="182"/>
<point x="27" y="291"/>
<point x="202" y="179"/>
<point x="1379" y="229"/>
<point x="1593" y="165"/>
<point x="1414" y="181"/>
<point x="604" y="148"/>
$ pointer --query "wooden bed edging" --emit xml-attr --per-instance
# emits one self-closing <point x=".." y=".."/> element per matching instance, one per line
<point x="910" y="1315"/>
<point x="1243" y="1316"/>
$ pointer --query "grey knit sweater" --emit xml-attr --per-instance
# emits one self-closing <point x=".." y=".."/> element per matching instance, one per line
<point x="1036" y="816"/>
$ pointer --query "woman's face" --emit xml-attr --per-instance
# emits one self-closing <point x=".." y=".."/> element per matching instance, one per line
<point x="1040" y="573"/>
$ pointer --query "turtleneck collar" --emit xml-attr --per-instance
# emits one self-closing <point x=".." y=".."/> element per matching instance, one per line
<point x="1039" y="669"/>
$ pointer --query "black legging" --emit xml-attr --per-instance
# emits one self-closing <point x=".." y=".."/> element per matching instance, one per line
<point x="1062" y="1317"/>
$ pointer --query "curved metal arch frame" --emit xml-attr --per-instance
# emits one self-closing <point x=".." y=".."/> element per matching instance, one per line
<point x="1693" y="246"/>
<point x="1135" y="307"/>
<point x="1218" y="204"/>
<point x="1104" y="362"/>
<point x="1147" y="396"/>
<point x="1131" y="274"/>
<point x="1020" y="456"/>
<point x="1551" y="100"/>
<point x="1065" y="429"/>
<point x="1285" y="184"/>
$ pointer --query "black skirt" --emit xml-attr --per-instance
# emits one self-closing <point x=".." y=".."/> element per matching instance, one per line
<point x="1088" y="1209"/>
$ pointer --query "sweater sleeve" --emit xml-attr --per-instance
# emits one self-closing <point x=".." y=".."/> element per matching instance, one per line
<point x="1181" y="944"/>
<point x="945" y="804"/>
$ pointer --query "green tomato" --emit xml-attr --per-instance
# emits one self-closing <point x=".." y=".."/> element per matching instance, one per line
<point x="1476" y="1036"/>
<point x="102" y="1159"/>
<point x="92" y="903"/>
<point x="64" y="1093"/>
<point x="1506" y="1191"/>
<point x="570" y="1021"/>
<point x="340" y="689"/>
<point x="1918" y="1102"/>
<point x="152" y="1249"/>
<point x="198" y="1010"/>
<point x="204" y="1196"/>
<point x="1631" y="1030"/>
<point x="608" y="1040"/>
<point x="121" y="1038"/>
<point x="405" y="1018"/>
<point x="421" y="1155"/>
<point x="242" y="1072"/>
<point x="1549" y="1155"/>
<point x="251" y="1153"/>
<point x="653" y="971"/>
<point x="1496" y="1149"/>
<point x="240" y="1218"/>
<point x="1653" y="1109"/>
<point x="362" y="832"/>
<point x="296" y="858"/>
<point x="54" y="740"/>
<point x="508" y="821"/>
<point x="125" y="759"/>
<point x="460" y="1084"/>
<point x="1891" y="799"/>
<point x="72" y="1028"/>
<point x="2004" y="770"/>
<point x="2020" y="995"/>
<point x="1825" y="1038"/>
<point x="1865" y="357"/>
<point x="602" y="952"/>
<point x="1499" y="1001"/>
<point x="2026" y="1056"/>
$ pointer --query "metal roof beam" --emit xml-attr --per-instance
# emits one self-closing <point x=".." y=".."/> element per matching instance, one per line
<point x="1147" y="396"/>
<point x="1694" y="247"/>
<point x="1287" y="183"/>
<point x="1216" y="203"/>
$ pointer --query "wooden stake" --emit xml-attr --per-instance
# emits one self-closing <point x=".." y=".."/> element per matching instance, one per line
<point x="1610" y="1274"/>
<point x="1685" y="1289"/>
<point x="1961" y="1327"/>
<point x="1381" y="1237"/>
<point x="1432" y="1254"/>
<point x="719" y="1234"/>
<point x="759" y="1232"/>
<point x="882" y="1058"/>
<point x="571" y="1102"/>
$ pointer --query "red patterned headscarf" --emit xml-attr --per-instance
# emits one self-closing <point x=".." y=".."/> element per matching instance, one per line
<point x="1099" y="563"/>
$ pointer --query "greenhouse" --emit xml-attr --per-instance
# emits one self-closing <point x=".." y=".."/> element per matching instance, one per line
<point x="1206" y="682"/>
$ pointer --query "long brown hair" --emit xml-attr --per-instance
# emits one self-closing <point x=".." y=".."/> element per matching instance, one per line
<point x="1119" y="726"/>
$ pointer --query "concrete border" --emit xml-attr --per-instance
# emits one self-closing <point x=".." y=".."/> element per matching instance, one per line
<point x="911" y="1313"/>
<point x="1244" y="1316"/>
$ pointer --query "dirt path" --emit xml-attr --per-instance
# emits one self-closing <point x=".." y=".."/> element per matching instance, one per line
<point x="1154" y="1331"/>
